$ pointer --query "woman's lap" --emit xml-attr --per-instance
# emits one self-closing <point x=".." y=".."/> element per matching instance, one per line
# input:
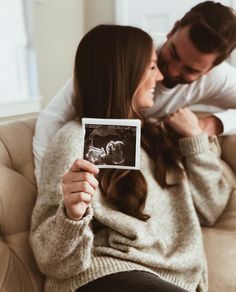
<point x="138" y="281"/>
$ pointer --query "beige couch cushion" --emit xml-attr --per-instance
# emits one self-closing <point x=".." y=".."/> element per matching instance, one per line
<point x="220" y="240"/>
<point x="228" y="144"/>
<point x="220" y="245"/>
<point x="18" y="271"/>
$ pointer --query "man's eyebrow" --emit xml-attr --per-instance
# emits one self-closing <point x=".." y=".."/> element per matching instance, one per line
<point x="177" y="56"/>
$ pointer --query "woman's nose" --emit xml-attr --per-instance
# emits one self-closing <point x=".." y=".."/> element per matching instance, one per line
<point x="159" y="76"/>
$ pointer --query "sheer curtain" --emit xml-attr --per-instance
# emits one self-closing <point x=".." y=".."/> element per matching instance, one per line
<point x="18" y="79"/>
<point x="14" y="81"/>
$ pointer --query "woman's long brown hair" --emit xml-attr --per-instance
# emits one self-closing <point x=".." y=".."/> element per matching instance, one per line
<point x="109" y="65"/>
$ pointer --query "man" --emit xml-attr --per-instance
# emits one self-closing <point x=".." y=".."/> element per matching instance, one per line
<point x="200" y="41"/>
<point x="191" y="61"/>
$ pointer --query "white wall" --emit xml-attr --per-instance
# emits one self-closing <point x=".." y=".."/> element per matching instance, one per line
<point x="58" y="26"/>
<point x="98" y="12"/>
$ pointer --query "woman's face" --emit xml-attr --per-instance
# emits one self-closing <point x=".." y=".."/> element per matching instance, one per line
<point x="144" y="95"/>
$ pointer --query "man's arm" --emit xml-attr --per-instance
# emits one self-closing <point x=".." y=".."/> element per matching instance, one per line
<point x="211" y="125"/>
<point x="50" y="120"/>
<point x="220" y="123"/>
<point x="219" y="92"/>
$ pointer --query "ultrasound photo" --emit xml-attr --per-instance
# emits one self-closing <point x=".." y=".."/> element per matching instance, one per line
<point x="111" y="143"/>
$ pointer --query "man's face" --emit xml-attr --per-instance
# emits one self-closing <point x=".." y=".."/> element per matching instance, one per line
<point x="180" y="61"/>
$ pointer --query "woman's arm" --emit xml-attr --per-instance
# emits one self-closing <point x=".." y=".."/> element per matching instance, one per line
<point x="210" y="190"/>
<point x="62" y="246"/>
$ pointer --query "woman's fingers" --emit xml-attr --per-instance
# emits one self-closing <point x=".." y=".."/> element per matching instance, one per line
<point x="75" y="198"/>
<point x="84" y="165"/>
<point x="78" y="187"/>
<point x="71" y="177"/>
<point x="81" y="186"/>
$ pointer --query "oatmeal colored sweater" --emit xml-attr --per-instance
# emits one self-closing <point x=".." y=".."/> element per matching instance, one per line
<point x="169" y="244"/>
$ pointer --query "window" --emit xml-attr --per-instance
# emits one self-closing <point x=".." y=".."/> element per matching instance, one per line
<point x="18" y="89"/>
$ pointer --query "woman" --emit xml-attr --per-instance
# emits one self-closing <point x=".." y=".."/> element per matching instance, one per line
<point x="123" y="230"/>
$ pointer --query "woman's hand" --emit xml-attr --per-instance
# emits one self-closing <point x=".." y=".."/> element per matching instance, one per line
<point x="185" y="122"/>
<point x="78" y="187"/>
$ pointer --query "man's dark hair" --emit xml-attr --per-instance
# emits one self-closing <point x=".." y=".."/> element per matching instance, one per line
<point x="212" y="28"/>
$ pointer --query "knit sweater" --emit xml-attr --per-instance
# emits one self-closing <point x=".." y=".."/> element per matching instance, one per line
<point x="169" y="244"/>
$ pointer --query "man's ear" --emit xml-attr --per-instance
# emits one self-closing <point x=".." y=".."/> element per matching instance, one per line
<point x="174" y="29"/>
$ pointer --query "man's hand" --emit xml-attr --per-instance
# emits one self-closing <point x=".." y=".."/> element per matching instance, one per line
<point x="78" y="187"/>
<point x="211" y="125"/>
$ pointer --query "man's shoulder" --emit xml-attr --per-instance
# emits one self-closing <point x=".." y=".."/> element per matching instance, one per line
<point x="69" y="134"/>
<point x="218" y="80"/>
<point x="71" y="126"/>
<point x="221" y="71"/>
<point x="67" y="144"/>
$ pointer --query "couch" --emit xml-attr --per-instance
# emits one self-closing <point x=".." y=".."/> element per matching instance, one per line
<point x="18" y="270"/>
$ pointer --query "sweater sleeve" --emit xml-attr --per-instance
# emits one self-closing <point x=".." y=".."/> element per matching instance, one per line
<point x="62" y="247"/>
<point x="209" y="188"/>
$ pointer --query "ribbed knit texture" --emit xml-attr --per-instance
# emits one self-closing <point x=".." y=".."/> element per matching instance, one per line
<point x="169" y="244"/>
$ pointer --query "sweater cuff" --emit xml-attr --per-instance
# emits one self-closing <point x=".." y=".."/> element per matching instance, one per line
<point x="194" y="145"/>
<point x="70" y="228"/>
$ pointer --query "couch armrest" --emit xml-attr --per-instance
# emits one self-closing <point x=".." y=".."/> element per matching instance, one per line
<point x="18" y="270"/>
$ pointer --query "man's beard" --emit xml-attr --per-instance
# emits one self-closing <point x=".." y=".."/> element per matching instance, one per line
<point x="169" y="81"/>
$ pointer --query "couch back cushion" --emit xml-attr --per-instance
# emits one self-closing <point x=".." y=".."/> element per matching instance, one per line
<point x="228" y="144"/>
<point x="220" y="240"/>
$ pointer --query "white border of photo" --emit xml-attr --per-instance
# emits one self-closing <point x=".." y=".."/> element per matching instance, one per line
<point x="117" y="122"/>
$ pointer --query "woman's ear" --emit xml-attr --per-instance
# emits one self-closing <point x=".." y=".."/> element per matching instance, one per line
<point x="174" y="29"/>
